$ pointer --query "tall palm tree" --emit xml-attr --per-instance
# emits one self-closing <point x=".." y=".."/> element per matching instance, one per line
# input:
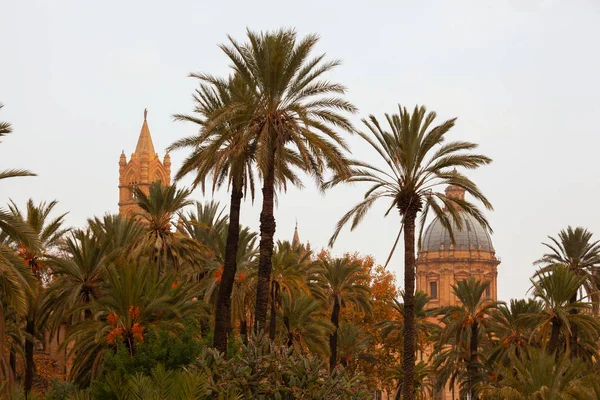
<point x="221" y="150"/>
<point x="5" y="129"/>
<point x="293" y="120"/>
<point x="341" y="280"/>
<point x="289" y="275"/>
<point x="164" y="248"/>
<point x="575" y="249"/>
<point x="15" y="278"/>
<point x="417" y="160"/>
<point x="555" y="289"/>
<point x="49" y="233"/>
<point x="466" y="323"/>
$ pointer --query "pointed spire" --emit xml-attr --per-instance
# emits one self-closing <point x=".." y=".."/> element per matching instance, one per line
<point x="144" y="143"/>
<point x="296" y="239"/>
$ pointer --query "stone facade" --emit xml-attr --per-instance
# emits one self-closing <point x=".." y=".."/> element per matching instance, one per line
<point x="441" y="263"/>
<point x="143" y="168"/>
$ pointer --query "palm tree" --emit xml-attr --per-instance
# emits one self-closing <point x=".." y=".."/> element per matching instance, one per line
<point x="417" y="160"/>
<point x="292" y="121"/>
<point x="5" y="129"/>
<point x="422" y="383"/>
<point x="49" y="233"/>
<point x="305" y="325"/>
<point x="554" y="289"/>
<point x="512" y="335"/>
<point x="424" y="328"/>
<point x="222" y="151"/>
<point x="353" y="343"/>
<point x="464" y="324"/>
<point x="115" y="233"/>
<point x="289" y="275"/>
<point x="575" y="249"/>
<point x="136" y="298"/>
<point x="160" y="244"/>
<point x="167" y="385"/>
<point x="341" y="280"/>
<point x="208" y="225"/>
<point x="540" y="376"/>
<point x="15" y="278"/>
<point x="77" y="279"/>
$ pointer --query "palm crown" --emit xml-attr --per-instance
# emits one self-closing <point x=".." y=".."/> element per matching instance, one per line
<point x="417" y="160"/>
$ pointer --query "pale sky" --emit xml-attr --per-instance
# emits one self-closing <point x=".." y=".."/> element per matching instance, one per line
<point x="521" y="76"/>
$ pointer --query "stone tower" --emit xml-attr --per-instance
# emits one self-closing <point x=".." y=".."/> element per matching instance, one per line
<point x="440" y="263"/>
<point x="143" y="169"/>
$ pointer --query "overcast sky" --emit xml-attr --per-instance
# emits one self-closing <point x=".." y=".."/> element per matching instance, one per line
<point x="521" y="76"/>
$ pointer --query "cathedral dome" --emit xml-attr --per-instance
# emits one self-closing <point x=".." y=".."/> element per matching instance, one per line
<point x="471" y="234"/>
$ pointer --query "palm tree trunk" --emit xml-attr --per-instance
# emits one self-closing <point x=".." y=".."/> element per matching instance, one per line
<point x="554" y="335"/>
<point x="408" y="361"/>
<point x="574" y="333"/>
<point x="473" y="346"/>
<point x="12" y="360"/>
<point x="273" y="319"/>
<point x="333" y="338"/>
<point x="267" y="231"/>
<point x="244" y="330"/>
<point x="29" y="347"/>
<point x="223" y="308"/>
<point x="5" y="370"/>
<point x="286" y="323"/>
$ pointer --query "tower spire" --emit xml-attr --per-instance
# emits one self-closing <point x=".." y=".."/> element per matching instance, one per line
<point x="296" y="239"/>
<point x="144" y="143"/>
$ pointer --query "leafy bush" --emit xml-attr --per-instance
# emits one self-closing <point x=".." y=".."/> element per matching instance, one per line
<point x="60" y="390"/>
<point x="173" y="350"/>
<point x="259" y="371"/>
<point x="262" y="371"/>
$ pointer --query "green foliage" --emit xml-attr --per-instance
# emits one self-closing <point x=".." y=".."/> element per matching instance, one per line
<point x="173" y="350"/>
<point x="263" y="371"/>
<point x="260" y="371"/>
<point x="543" y="376"/>
<point x="60" y="390"/>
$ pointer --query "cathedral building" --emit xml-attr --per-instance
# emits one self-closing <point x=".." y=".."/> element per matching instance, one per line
<point x="441" y="263"/>
<point x="143" y="168"/>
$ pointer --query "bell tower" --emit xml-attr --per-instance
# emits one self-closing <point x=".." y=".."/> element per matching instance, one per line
<point x="143" y="168"/>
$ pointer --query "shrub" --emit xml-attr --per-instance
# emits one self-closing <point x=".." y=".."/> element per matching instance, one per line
<point x="262" y="371"/>
<point x="173" y="350"/>
<point x="60" y="390"/>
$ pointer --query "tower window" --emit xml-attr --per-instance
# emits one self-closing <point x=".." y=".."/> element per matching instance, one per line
<point x="487" y="292"/>
<point x="433" y="290"/>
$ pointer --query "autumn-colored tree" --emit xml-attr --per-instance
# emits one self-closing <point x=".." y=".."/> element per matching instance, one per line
<point x="383" y="287"/>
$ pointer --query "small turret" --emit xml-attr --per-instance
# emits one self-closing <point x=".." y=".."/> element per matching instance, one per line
<point x="455" y="192"/>
<point x="167" y="164"/>
<point x="296" y="238"/>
